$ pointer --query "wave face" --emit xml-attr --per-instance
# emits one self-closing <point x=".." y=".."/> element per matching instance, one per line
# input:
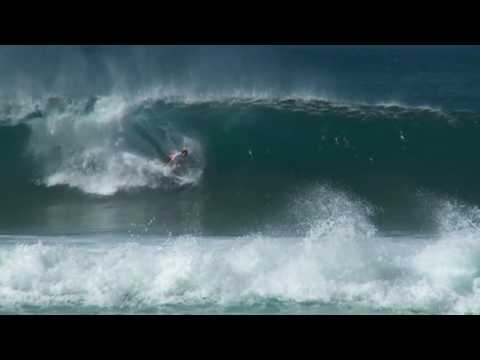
<point x="84" y="156"/>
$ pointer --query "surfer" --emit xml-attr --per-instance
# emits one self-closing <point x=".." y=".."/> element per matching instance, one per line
<point x="177" y="158"/>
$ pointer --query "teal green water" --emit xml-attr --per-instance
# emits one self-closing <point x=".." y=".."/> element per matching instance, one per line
<point x="105" y="175"/>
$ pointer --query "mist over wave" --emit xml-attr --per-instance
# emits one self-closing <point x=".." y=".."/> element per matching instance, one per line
<point x="442" y="76"/>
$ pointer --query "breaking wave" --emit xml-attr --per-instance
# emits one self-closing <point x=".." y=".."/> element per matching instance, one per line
<point x="341" y="265"/>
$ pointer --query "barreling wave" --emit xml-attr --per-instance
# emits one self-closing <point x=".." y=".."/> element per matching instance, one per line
<point x="248" y="148"/>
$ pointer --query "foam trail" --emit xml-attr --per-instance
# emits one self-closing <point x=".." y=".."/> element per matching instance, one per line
<point x="121" y="171"/>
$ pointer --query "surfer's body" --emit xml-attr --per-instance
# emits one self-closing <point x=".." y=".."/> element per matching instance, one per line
<point x="177" y="158"/>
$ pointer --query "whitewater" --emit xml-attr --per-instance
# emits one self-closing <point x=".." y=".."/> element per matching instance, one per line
<point x="342" y="265"/>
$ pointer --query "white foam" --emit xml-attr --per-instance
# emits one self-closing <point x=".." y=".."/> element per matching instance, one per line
<point x="97" y="171"/>
<point x="343" y="263"/>
<point x="86" y="150"/>
<point x="193" y="271"/>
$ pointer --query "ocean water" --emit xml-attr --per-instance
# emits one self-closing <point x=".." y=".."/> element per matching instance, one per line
<point x="321" y="180"/>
